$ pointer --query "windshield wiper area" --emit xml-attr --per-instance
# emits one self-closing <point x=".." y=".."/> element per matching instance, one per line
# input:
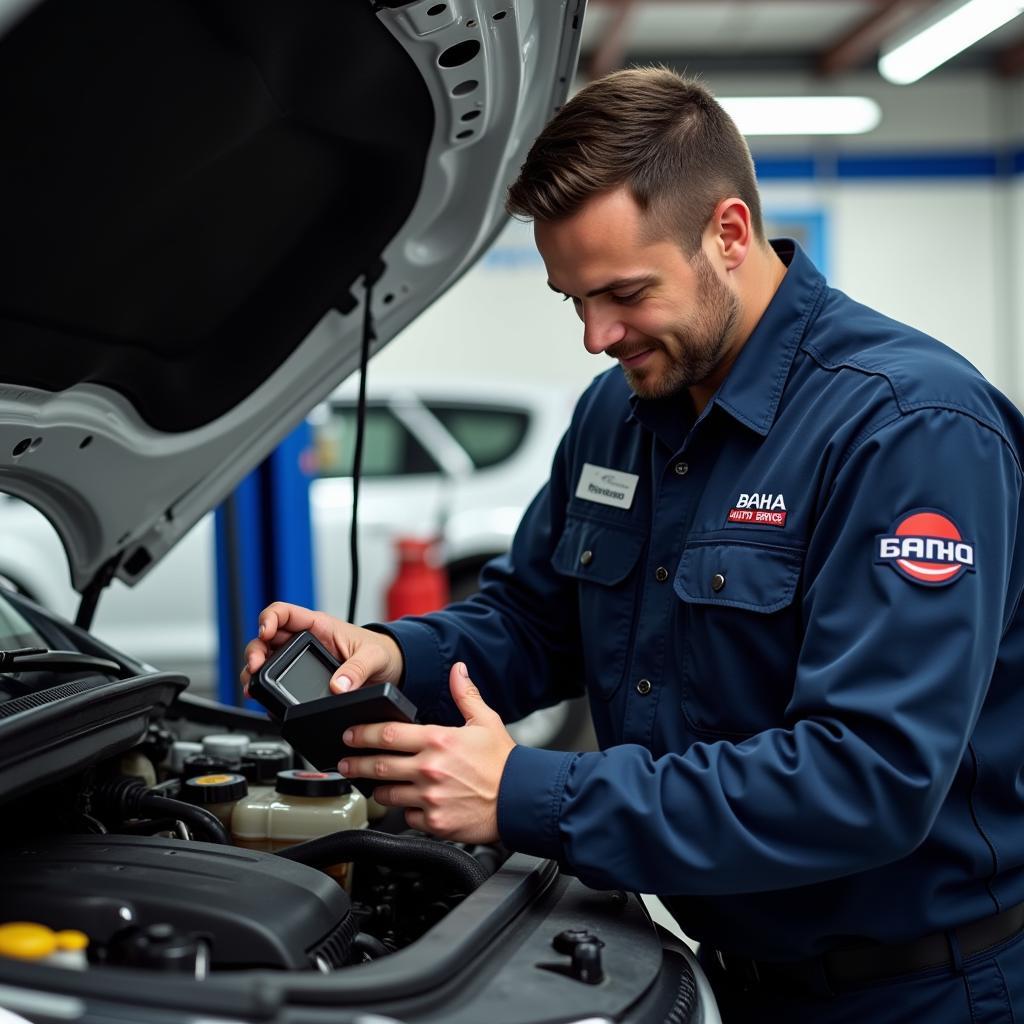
<point x="30" y="659"/>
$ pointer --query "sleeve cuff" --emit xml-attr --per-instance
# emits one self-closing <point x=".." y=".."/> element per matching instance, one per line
<point x="424" y="677"/>
<point x="530" y="799"/>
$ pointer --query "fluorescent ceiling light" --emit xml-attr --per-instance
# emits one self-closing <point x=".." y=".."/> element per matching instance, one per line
<point x="941" y="34"/>
<point x="802" y="115"/>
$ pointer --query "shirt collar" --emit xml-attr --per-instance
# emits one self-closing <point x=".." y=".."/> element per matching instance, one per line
<point x="753" y="387"/>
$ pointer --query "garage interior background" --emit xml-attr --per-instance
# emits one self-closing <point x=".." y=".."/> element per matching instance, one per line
<point x="922" y="217"/>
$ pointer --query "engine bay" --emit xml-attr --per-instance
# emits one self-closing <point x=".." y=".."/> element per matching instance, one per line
<point x="145" y="828"/>
<point x="139" y="867"/>
<point x="166" y="854"/>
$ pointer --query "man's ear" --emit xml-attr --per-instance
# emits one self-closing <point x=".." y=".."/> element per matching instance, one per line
<point x="731" y="234"/>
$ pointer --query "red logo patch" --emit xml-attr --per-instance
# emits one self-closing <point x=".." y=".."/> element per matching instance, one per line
<point x="926" y="546"/>
<point x="756" y="517"/>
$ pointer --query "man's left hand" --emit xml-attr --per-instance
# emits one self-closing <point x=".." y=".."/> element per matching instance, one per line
<point x="449" y="784"/>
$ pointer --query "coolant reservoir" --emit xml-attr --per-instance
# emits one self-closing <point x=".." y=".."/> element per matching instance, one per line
<point x="218" y="793"/>
<point x="304" y="805"/>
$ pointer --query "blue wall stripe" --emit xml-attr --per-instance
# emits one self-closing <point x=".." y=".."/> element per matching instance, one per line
<point x="862" y="166"/>
<point x="937" y="165"/>
<point x="781" y="168"/>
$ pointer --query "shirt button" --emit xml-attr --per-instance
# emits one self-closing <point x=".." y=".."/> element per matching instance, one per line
<point x="681" y="468"/>
<point x="717" y="582"/>
<point x="586" y="558"/>
<point x="661" y="574"/>
<point x="643" y="687"/>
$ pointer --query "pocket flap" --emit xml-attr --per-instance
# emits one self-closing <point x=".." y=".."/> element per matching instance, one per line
<point x="588" y="550"/>
<point x="751" y="576"/>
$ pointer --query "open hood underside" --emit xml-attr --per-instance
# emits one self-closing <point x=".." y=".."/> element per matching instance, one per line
<point x="196" y="193"/>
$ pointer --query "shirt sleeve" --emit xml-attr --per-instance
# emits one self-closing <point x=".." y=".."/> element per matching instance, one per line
<point x="891" y="676"/>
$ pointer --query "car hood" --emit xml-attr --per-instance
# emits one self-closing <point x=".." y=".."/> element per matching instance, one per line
<point x="196" y="195"/>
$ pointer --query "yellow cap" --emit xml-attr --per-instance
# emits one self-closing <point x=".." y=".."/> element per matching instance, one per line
<point x="212" y="780"/>
<point x="72" y="940"/>
<point x="26" y="941"/>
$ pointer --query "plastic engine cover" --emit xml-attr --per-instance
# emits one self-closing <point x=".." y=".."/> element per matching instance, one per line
<point x="255" y="909"/>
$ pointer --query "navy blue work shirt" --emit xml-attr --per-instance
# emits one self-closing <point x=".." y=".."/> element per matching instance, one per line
<point x="797" y="619"/>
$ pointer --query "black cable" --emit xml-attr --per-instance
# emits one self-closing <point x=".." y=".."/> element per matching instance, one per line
<point x="424" y="855"/>
<point x="367" y="947"/>
<point x="235" y="580"/>
<point x="201" y="822"/>
<point x="129" y="798"/>
<point x="357" y="458"/>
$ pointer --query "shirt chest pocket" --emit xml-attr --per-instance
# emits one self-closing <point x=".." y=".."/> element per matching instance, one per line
<point x="737" y="634"/>
<point x="602" y="558"/>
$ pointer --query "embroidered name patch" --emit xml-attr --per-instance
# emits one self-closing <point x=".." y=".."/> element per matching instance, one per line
<point x="759" y="510"/>
<point x="927" y="547"/>
<point x="606" y="486"/>
<point x="757" y="517"/>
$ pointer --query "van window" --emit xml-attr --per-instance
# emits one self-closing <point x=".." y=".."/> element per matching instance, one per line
<point x="489" y="434"/>
<point x="388" y="447"/>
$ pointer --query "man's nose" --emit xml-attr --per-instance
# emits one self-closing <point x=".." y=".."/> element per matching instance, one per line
<point x="601" y="329"/>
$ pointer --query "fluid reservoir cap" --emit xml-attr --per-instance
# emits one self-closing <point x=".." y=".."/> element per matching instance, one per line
<point x="229" y="746"/>
<point x="215" y="789"/>
<point x="72" y="940"/>
<point x="203" y="764"/>
<point x="303" y="783"/>
<point x="180" y="750"/>
<point x="263" y="761"/>
<point x="24" y="940"/>
<point x="158" y="946"/>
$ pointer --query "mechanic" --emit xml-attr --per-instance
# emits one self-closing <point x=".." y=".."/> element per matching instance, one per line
<point x="781" y="551"/>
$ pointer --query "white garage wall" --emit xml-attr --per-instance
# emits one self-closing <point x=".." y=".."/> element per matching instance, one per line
<point x="944" y="254"/>
<point x="926" y="253"/>
<point x="501" y="322"/>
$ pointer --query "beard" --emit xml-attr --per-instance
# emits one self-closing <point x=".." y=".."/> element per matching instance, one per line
<point x="694" y="349"/>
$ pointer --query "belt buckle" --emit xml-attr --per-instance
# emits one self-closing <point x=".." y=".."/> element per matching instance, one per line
<point x="740" y="970"/>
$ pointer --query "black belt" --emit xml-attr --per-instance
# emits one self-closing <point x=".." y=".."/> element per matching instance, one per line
<point x="850" y="968"/>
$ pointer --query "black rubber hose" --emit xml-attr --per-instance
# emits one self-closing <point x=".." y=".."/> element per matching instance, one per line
<point x="128" y="798"/>
<point x="367" y="947"/>
<point x="401" y="852"/>
<point x="202" y="823"/>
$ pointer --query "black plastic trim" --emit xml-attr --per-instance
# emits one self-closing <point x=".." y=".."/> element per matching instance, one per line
<point x="453" y="942"/>
<point x="463" y="934"/>
<point x="72" y="731"/>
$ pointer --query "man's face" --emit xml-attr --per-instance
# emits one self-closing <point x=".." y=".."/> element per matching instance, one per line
<point x="669" y="320"/>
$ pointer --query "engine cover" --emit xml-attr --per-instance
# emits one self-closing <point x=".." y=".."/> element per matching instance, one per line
<point x="255" y="909"/>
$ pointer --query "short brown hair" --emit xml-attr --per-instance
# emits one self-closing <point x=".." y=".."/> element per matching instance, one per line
<point x="662" y="135"/>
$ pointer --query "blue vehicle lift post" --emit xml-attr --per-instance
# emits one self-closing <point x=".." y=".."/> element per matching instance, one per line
<point x="264" y="552"/>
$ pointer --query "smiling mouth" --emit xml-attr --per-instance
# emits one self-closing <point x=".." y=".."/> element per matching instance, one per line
<point x="634" y="357"/>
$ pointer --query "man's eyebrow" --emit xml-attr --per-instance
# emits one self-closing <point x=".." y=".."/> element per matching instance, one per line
<point x="622" y="282"/>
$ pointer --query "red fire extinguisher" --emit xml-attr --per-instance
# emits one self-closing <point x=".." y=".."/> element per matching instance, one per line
<point x="421" y="584"/>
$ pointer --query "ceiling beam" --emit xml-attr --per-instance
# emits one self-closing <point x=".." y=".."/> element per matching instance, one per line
<point x="861" y="43"/>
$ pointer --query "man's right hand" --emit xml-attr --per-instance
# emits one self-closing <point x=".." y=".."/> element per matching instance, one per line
<point x="365" y="656"/>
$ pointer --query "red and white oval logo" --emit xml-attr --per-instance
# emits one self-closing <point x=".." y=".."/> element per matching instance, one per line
<point x="926" y="546"/>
